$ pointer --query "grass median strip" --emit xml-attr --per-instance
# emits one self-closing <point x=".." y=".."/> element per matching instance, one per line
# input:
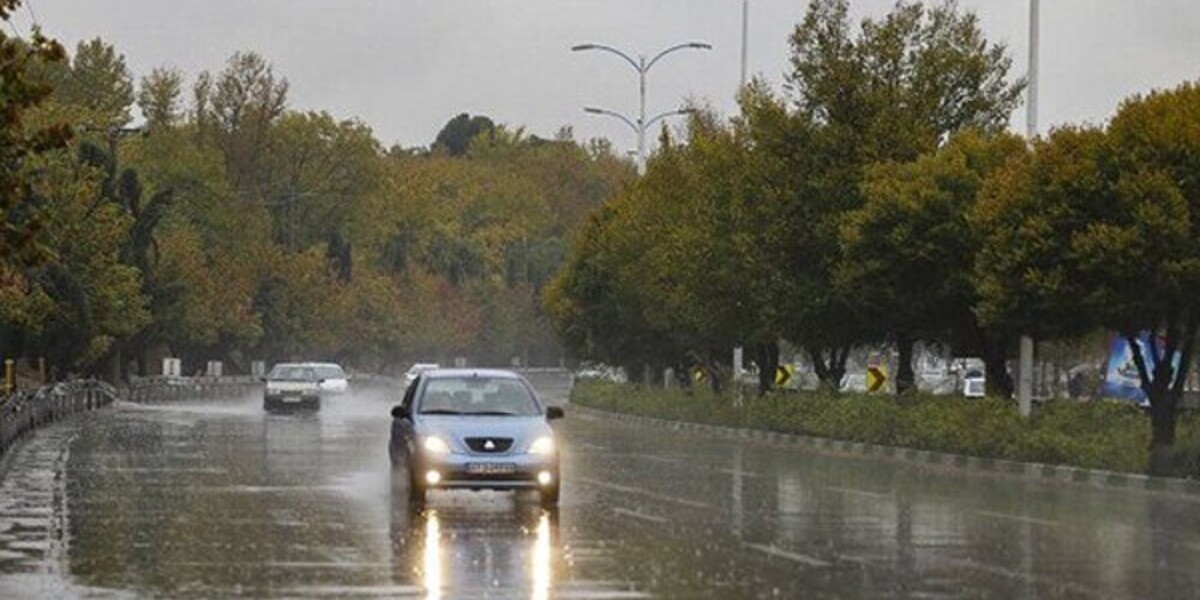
<point x="1110" y="436"/>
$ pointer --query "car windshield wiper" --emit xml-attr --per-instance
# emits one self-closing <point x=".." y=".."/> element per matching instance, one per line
<point x="494" y="413"/>
<point x="441" y="411"/>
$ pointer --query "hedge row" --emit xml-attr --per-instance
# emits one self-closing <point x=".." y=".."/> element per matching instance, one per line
<point x="1098" y="435"/>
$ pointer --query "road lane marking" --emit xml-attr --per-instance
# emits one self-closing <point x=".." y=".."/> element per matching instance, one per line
<point x="641" y="516"/>
<point x="856" y="492"/>
<point x="640" y="491"/>
<point x="803" y="559"/>
<point x="743" y="473"/>
<point x="1021" y="518"/>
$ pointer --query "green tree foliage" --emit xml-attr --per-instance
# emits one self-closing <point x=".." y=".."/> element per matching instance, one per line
<point x="908" y="252"/>
<point x="98" y="81"/>
<point x="1099" y="228"/>
<point x="735" y="238"/>
<point x="889" y="92"/>
<point x="159" y="97"/>
<point x="456" y="135"/>
<point x="236" y="109"/>
<point x="237" y="229"/>
<point x="23" y="91"/>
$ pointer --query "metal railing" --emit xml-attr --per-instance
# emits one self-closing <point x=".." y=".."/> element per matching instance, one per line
<point x="22" y="412"/>
<point x="161" y="389"/>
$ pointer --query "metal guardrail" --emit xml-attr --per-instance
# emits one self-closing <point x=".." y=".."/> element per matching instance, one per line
<point x="161" y="389"/>
<point x="22" y="412"/>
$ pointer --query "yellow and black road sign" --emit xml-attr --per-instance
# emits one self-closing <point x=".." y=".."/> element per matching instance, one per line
<point x="876" y="378"/>
<point x="783" y="374"/>
<point x="699" y="375"/>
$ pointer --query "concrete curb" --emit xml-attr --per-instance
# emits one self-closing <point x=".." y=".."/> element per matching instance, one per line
<point x="1045" y="472"/>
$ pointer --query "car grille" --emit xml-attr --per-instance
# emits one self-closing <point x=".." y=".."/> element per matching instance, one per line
<point x="480" y="444"/>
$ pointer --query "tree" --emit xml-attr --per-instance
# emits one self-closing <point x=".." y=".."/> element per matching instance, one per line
<point x="1141" y="256"/>
<point x="237" y="109"/>
<point x="909" y="251"/>
<point x="1100" y="228"/>
<point x="319" y="169"/>
<point x="888" y="93"/>
<point x="456" y="135"/>
<point x="159" y="97"/>
<point x="21" y="243"/>
<point x="98" y="80"/>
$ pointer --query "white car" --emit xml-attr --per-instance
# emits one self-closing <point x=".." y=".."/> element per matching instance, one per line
<point x="303" y="385"/>
<point x="974" y="384"/>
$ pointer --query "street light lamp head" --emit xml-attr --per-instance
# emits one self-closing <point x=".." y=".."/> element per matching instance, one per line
<point x="578" y="47"/>
<point x="700" y="45"/>
<point x="593" y="110"/>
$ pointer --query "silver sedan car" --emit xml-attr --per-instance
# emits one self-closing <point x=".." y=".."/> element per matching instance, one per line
<point x="474" y="429"/>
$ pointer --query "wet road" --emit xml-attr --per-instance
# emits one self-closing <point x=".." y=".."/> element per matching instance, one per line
<point x="218" y="499"/>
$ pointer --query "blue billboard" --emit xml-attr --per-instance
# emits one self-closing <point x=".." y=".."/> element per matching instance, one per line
<point x="1121" y="378"/>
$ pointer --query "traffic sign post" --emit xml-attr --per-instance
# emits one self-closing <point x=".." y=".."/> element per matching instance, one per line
<point x="876" y="378"/>
<point x="783" y="374"/>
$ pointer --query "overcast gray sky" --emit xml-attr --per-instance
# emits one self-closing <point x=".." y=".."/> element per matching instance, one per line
<point x="406" y="66"/>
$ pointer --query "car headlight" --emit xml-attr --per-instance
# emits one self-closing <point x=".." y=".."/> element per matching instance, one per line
<point x="542" y="445"/>
<point x="436" y="445"/>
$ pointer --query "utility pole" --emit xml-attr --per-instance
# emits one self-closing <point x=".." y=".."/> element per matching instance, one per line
<point x="745" y="40"/>
<point x="1025" y="362"/>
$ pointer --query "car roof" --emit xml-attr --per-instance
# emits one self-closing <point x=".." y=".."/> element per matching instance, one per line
<point x="461" y="373"/>
<point x="308" y="364"/>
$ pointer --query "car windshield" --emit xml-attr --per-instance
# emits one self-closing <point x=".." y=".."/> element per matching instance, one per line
<point x="329" y="372"/>
<point x="293" y="373"/>
<point x="477" y="396"/>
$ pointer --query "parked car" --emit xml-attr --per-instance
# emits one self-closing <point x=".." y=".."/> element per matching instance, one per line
<point x="474" y="429"/>
<point x="974" y="384"/>
<point x="303" y="385"/>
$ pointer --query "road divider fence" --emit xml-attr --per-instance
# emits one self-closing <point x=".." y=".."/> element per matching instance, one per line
<point x="162" y="389"/>
<point x="23" y="412"/>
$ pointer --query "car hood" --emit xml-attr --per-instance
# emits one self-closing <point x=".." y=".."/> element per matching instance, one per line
<point x="453" y="428"/>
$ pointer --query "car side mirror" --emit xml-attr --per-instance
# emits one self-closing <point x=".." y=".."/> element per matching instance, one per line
<point x="554" y="412"/>
<point x="399" y="411"/>
<point x="320" y="381"/>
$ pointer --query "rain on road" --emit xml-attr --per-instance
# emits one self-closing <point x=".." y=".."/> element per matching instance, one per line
<point x="218" y="499"/>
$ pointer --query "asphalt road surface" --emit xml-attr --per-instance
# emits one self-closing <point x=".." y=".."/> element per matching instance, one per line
<point x="217" y="499"/>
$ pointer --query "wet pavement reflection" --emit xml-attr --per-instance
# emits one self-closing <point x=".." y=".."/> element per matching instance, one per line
<point x="218" y="499"/>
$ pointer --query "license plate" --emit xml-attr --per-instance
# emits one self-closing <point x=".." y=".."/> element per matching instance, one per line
<point x="292" y="398"/>
<point x="491" y="468"/>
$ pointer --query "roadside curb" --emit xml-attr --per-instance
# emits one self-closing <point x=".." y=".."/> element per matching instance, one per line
<point x="1045" y="472"/>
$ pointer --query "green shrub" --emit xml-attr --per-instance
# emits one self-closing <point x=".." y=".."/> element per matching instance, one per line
<point x="1099" y="435"/>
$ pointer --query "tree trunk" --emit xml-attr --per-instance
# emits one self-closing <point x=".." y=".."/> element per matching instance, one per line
<point x="905" y="378"/>
<point x="767" y="357"/>
<point x="829" y="369"/>
<point x="995" y="364"/>
<point x="1164" y="388"/>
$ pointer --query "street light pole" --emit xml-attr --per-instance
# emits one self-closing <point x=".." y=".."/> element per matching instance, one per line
<point x="1025" y="358"/>
<point x="745" y="39"/>
<point x="642" y="66"/>
<point x="641" y="138"/>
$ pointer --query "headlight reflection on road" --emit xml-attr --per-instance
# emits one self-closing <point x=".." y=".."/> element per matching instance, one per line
<point x="541" y="559"/>
<point x="432" y="574"/>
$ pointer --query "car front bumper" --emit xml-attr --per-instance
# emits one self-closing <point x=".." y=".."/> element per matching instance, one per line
<point x="306" y="400"/>
<point x="475" y="471"/>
